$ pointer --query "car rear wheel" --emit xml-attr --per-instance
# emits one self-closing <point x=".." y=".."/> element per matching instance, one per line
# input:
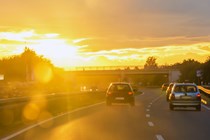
<point x="171" y="107"/>
<point x="198" y="107"/>
<point x="108" y="102"/>
<point x="132" y="103"/>
<point x="167" y="99"/>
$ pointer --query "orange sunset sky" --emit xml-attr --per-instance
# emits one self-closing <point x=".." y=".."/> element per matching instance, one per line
<point x="106" y="32"/>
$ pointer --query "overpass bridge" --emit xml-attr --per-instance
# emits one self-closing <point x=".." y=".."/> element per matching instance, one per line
<point x="170" y="75"/>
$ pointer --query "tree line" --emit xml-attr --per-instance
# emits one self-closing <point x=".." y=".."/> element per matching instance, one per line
<point x="20" y="73"/>
<point x="21" y="67"/>
<point x="190" y="69"/>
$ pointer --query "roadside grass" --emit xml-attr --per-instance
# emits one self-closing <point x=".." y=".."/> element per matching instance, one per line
<point x="20" y="115"/>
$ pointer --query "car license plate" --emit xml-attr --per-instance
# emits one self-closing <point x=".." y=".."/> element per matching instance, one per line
<point x="119" y="98"/>
<point x="186" y="97"/>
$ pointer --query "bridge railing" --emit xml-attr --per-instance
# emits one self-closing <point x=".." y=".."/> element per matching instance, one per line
<point x="86" y="68"/>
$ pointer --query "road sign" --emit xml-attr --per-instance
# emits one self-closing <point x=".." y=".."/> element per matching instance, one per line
<point x="199" y="73"/>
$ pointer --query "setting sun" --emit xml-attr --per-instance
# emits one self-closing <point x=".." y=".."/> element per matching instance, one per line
<point x="68" y="53"/>
<point x="87" y="33"/>
<point x="58" y="51"/>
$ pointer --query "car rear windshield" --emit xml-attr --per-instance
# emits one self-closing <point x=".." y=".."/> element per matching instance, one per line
<point x="185" y="88"/>
<point x="165" y="84"/>
<point x="120" y="87"/>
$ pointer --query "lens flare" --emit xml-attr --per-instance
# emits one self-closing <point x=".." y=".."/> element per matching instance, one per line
<point x="31" y="112"/>
<point x="43" y="73"/>
<point x="34" y="109"/>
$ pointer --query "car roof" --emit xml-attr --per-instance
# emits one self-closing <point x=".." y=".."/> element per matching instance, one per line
<point x="165" y="83"/>
<point x="185" y="84"/>
<point x="118" y="83"/>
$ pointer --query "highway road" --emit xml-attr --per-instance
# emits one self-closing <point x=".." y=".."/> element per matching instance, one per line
<point x="150" y="119"/>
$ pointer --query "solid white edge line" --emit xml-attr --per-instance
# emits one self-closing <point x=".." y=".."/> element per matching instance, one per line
<point x="205" y="107"/>
<point x="39" y="123"/>
<point x="159" y="137"/>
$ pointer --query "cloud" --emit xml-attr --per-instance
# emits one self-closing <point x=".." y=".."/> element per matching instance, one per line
<point x="107" y="44"/>
<point x="16" y="36"/>
<point x="79" y="40"/>
<point x="135" y="56"/>
<point x="11" y="42"/>
<point x="113" y="29"/>
<point x="133" y="18"/>
<point x="10" y="50"/>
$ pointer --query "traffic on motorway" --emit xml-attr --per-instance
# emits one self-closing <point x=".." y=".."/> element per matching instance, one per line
<point x="185" y="98"/>
<point x="104" y="69"/>
<point x="150" y="118"/>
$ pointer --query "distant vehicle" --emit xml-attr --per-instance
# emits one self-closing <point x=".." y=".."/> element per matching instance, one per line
<point x="185" y="95"/>
<point x="120" y="92"/>
<point x="88" y="89"/>
<point x="164" y="86"/>
<point x="93" y="89"/>
<point x="168" y="91"/>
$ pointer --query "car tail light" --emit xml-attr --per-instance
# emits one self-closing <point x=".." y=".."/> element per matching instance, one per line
<point x="198" y="95"/>
<point x="130" y="93"/>
<point x="109" y="93"/>
<point x="172" y="97"/>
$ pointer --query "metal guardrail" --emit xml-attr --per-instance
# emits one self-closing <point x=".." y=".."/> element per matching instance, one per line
<point x="21" y="99"/>
<point x="207" y="91"/>
<point x="12" y="100"/>
<point x="28" y="98"/>
<point x="54" y="95"/>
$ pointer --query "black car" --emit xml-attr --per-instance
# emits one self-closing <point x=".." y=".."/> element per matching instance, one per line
<point x="120" y="92"/>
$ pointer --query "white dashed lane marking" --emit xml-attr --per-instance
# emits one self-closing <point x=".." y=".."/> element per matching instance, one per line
<point x="159" y="137"/>
<point x="147" y="115"/>
<point x="151" y="124"/>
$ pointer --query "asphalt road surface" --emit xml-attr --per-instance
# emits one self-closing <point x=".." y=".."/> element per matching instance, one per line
<point x="150" y="119"/>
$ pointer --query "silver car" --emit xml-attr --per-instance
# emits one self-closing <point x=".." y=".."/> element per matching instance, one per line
<point x="168" y="91"/>
<point x="185" y="95"/>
